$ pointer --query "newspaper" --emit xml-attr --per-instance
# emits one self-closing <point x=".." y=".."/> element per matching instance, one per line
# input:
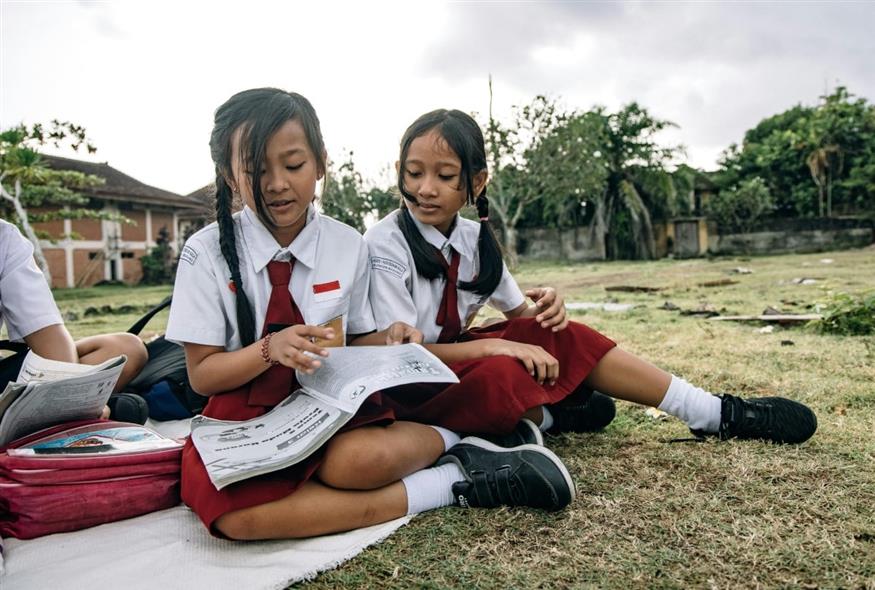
<point x="304" y="421"/>
<point x="51" y="392"/>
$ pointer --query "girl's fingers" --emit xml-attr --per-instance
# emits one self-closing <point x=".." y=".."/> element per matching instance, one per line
<point x="562" y="325"/>
<point x="530" y="366"/>
<point x="305" y="345"/>
<point x="542" y="371"/>
<point x="310" y="332"/>
<point x="555" y="319"/>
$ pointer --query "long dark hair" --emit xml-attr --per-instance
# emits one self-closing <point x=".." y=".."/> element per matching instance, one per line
<point x="465" y="138"/>
<point x="257" y="114"/>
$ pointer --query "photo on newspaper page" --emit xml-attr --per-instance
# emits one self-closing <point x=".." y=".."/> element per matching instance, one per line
<point x="233" y="451"/>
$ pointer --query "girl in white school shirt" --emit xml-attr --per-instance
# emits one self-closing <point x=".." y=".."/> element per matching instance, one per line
<point x="280" y="262"/>
<point x="434" y="269"/>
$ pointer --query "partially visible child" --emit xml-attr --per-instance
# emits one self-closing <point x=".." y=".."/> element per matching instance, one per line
<point x="32" y="318"/>
<point x="433" y="269"/>
<point x="253" y="291"/>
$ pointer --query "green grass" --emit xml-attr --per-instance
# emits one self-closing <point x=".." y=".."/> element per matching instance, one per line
<point x="651" y="514"/>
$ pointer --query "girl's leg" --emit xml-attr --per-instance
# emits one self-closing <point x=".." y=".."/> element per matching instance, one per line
<point x="96" y="349"/>
<point x="625" y="376"/>
<point x="371" y="457"/>
<point x="315" y="509"/>
<point x="476" y="471"/>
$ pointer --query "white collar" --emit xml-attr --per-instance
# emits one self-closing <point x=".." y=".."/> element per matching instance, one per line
<point x="434" y="237"/>
<point x="263" y="247"/>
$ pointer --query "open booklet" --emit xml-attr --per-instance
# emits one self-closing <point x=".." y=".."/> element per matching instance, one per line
<point x="304" y="421"/>
<point x="101" y="438"/>
<point x="50" y="392"/>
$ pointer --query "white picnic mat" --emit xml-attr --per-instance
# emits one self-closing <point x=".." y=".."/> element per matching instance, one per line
<point x="172" y="549"/>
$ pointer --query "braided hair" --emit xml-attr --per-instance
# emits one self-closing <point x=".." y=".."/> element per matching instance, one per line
<point x="465" y="138"/>
<point x="256" y="114"/>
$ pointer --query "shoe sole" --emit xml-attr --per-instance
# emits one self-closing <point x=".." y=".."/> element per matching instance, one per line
<point x="485" y="444"/>
<point x="536" y="432"/>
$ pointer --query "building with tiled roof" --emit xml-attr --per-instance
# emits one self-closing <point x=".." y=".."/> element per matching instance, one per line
<point x="89" y="251"/>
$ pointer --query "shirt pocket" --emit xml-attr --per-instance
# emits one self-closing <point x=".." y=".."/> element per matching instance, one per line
<point x="320" y="312"/>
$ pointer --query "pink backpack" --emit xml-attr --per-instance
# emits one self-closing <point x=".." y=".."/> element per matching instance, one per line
<point x="42" y="494"/>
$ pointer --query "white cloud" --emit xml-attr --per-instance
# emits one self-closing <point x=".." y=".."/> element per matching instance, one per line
<point x="145" y="77"/>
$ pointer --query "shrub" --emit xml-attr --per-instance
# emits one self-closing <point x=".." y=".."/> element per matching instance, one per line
<point x="739" y="208"/>
<point x="848" y="315"/>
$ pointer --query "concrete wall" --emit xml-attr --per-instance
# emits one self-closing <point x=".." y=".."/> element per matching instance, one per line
<point x="553" y="244"/>
<point x="791" y="241"/>
<point x="774" y="237"/>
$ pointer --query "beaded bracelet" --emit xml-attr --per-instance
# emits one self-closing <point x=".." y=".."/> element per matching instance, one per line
<point x="265" y="352"/>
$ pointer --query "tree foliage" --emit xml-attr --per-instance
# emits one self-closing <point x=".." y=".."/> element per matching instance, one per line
<point x="598" y="169"/>
<point x="159" y="265"/>
<point x="738" y="209"/>
<point x="346" y="199"/>
<point x="27" y="182"/>
<point x="815" y="161"/>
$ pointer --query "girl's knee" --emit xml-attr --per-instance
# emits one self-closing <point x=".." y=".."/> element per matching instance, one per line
<point x="240" y="525"/>
<point x="357" y="462"/>
<point x="132" y="347"/>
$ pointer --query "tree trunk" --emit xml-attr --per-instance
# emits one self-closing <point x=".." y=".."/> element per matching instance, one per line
<point x="510" y="246"/>
<point x="28" y="231"/>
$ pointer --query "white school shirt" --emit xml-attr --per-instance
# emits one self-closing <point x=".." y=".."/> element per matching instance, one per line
<point x="26" y="302"/>
<point x="329" y="279"/>
<point x="399" y="293"/>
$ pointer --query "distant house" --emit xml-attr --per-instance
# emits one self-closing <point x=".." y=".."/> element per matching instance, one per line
<point x="202" y="213"/>
<point x="109" y="250"/>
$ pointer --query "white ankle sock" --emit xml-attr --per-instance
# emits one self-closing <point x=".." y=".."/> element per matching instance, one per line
<point x="450" y="437"/>
<point x="546" y="420"/>
<point x="695" y="406"/>
<point x="431" y="488"/>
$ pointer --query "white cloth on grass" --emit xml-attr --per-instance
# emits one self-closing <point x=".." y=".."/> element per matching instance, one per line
<point x="172" y="549"/>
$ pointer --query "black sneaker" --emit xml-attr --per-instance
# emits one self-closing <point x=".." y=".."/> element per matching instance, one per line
<point x="128" y="407"/>
<point x="776" y="419"/>
<point x="591" y="415"/>
<point x="525" y="433"/>
<point x="527" y="475"/>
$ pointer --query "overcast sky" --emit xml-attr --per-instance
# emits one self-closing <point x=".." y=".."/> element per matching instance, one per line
<point x="145" y="77"/>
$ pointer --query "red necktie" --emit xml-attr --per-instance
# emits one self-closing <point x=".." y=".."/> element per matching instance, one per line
<point x="448" y="312"/>
<point x="275" y="384"/>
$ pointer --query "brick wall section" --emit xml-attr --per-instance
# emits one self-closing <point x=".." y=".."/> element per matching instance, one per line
<point x="88" y="229"/>
<point x="54" y="228"/>
<point x="82" y="264"/>
<point x="132" y="270"/>
<point x="161" y="219"/>
<point x="57" y="266"/>
<point x="131" y="232"/>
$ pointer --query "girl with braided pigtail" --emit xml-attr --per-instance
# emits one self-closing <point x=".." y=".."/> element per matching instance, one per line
<point x="537" y="371"/>
<point x="254" y="292"/>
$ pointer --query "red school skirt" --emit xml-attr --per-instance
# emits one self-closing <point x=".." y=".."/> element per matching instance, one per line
<point x="199" y="493"/>
<point x="493" y="393"/>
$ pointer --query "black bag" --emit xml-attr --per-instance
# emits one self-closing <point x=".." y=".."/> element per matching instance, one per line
<point x="163" y="382"/>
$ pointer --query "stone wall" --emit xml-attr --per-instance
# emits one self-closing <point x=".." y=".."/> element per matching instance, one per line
<point x="574" y="244"/>
<point x="771" y="237"/>
<point x="796" y="236"/>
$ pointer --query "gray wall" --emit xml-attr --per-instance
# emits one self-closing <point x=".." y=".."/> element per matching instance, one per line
<point x="771" y="237"/>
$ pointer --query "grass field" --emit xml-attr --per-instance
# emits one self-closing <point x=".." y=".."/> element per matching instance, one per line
<point x="649" y="513"/>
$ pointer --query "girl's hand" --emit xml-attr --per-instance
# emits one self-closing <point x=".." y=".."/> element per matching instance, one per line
<point x="287" y="347"/>
<point x="551" y="308"/>
<point x="538" y="362"/>
<point x="401" y="333"/>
